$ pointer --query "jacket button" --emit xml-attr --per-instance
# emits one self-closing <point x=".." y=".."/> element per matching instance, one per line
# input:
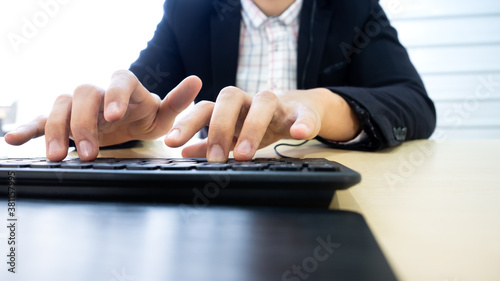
<point x="400" y="133"/>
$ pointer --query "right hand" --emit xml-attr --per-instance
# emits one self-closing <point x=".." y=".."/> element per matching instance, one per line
<point x="94" y="117"/>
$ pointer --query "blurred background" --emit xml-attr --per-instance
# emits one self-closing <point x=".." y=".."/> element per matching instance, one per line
<point x="48" y="47"/>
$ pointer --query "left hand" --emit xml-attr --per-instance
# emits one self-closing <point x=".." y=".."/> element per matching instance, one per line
<point x="244" y="123"/>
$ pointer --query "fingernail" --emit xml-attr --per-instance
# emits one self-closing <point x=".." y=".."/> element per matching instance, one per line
<point x="245" y="148"/>
<point x="304" y="129"/>
<point x="216" y="154"/>
<point x="85" y="149"/>
<point x="54" y="147"/>
<point x="112" y="108"/>
<point x="174" y="134"/>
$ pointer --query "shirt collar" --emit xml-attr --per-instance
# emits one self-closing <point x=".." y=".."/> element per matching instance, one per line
<point x="253" y="16"/>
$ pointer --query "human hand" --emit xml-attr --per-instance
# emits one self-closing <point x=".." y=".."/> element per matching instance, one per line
<point x="244" y="123"/>
<point x="95" y="117"/>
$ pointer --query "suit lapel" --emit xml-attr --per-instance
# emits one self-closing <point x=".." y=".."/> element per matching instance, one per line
<point x="309" y="55"/>
<point x="225" y="38"/>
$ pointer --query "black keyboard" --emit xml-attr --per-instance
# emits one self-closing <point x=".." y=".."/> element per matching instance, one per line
<point x="193" y="181"/>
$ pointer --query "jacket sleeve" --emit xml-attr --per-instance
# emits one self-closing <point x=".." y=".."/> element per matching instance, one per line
<point x="383" y="87"/>
<point x="159" y="67"/>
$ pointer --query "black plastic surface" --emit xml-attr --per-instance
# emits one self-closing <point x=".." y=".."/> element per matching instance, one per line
<point x="68" y="240"/>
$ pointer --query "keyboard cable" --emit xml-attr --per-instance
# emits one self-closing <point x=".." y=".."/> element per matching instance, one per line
<point x="287" y="144"/>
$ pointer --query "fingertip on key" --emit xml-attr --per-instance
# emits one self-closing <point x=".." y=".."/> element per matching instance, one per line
<point x="86" y="150"/>
<point x="244" y="149"/>
<point x="216" y="154"/>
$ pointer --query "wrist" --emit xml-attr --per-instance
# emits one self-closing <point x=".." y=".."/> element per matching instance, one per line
<point x="338" y="120"/>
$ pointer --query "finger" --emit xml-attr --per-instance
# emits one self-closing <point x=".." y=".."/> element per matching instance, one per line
<point x="57" y="129"/>
<point x="197" y="150"/>
<point x="124" y="89"/>
<point x="24" y="133"/>
<point x="178" y="99"/>
<point x="307" y="124"/>
<point x="184" y="129"/>
<point x="256" y="123"/>
<point x="228" y="106"/>
<point x="87" y="101"/>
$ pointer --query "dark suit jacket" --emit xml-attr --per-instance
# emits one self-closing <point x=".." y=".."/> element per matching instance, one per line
<point x="347" y="46"/>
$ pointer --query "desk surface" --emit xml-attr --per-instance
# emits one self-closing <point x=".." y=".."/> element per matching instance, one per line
<point x="433" y="206"/>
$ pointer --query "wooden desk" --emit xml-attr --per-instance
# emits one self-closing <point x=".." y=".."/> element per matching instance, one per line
<point x="434" y="207"/>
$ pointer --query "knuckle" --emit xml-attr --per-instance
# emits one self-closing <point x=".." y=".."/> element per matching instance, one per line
<point x="267" y="96"/>
<point x="56" y="124"/>
<point x="123" y="78"/>
<point x="79" y="126"/>
<point x="64" y="98"/>
<point x="85" y="87"/>
<point x="254" y="125"/>
<point x="125" y="75"/>
<point x="122" y="72"/>
<point x="205" y="104"/>
<point x="40" y="119"/>
<point x="88" y="90"/>
<point x="218" y="131"/>
<point x="230" y="89"/>
<point x="38" y="123"/>
<point x="230" y="92"/>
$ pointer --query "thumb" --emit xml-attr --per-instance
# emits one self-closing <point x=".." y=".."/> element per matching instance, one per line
<point x="307" y="124"/>
<point x="197" y="150"/>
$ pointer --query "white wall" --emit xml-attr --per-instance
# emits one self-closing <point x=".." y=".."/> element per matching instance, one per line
<point x="455" y="45"/>
<point x="72" y="42"/>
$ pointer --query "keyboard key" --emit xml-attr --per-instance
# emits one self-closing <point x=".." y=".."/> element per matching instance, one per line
<point x="193" y="160"/>
<point x="236" y="162"/>
<point x="14" y="164"/>
<point x="109" y="166"/>
<point x="157" y="161"/>
<point x="315" y="160"/>
<point x="179" y="166"/>
<point x="45" y="164"/>
<point x="268" y="160"/>
<point x="76" y="165"/>
<point x="104" y="160"/>
<point x="249" y="167"/>
<point x="323" y="167"/>
<point x="212" y="167"/>
<point x="142" y="166"/>
<point x="285" y="167"/>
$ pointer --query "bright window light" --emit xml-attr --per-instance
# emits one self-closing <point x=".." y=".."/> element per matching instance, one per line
<point x="48" y="47"/>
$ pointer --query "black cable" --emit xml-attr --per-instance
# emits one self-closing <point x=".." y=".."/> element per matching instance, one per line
<point x="287" y="144"/>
